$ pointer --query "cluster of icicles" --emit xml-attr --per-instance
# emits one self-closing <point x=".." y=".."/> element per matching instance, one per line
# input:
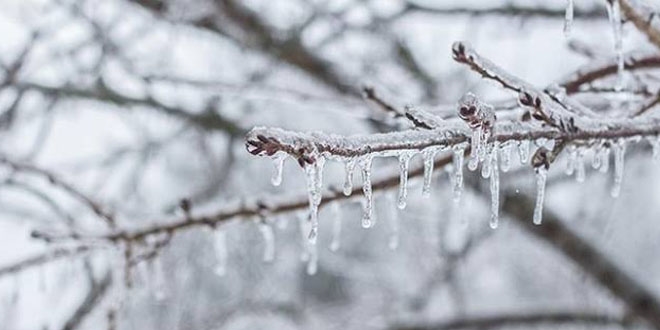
<point x="491" y="155"/>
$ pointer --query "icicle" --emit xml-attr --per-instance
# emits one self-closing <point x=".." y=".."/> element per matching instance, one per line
<point x="158" y="281"/>
<point x="486" y="166"/>
<point x="494" y="188"/>
<point x="571" y="160"/>
<point x="614" y="14"/>
<point x="336" y="226"/>
<point x="303" y="224"/>
<point x="568" y="18"/>
<point x="457" y="186"/>
<point x="428" y="155"/>
<point x="367" y="217"/>
<point x="404" y="162"/>
<point x="541" y="175"/>
<point x="394" y="235"/>
<point x="475" y="144"/>
<point x="278" y="161"/>
<point x="655" y="145"/>
<point x="596" y="159"/>
<point x="619" y="155"/>
<point x="269" y="241"/>
<point x="220" y="246"/>
<point x="505" y="152"/>
<point x="605" y="160"/>
<point x="348" y="179"/>
<point x="314" y="185"/>
<point x="312" y="264"/>
<point x="579" y="167"/>
<point x="523" y="151"/>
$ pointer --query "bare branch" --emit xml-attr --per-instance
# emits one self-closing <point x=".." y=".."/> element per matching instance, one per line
<point x="641" y="23"/>
<point x="521" y="319"/>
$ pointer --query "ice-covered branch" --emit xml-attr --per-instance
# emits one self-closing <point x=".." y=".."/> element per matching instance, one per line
<point x="308" y="147"/>
<point x="511" y="9"/>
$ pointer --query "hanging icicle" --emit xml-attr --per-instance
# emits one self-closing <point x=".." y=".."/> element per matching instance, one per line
<point x="614" y="14"/>
<point x="428" y="154"/>
<point x="349" y="165"/>
<point x="494" y="187"/>
<point x="404" y="163"/>
<point x="505" y="152"/>
<point x="580" y="171"/>
<point x="568" y="18"/>
<point x="278" y="161"/>
<point x="220" y="246"/>
<point x="393" y="242"/>
<point x="619" y="149"/>
<point x="367" y="216"/>
<point x="541" y="176"/>
<point x="457" y="186"/>
<point x="523" y="151"/>
<point x="335" y="210"/>
<point x="314" y="174"/>
<point x="269" y="241"/>
<point x="312" y="264"/>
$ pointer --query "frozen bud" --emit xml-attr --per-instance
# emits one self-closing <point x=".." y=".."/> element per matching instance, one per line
<point x="458" y="51"/>
<point x="476" y="113"/>
<point x="541" y="158"/>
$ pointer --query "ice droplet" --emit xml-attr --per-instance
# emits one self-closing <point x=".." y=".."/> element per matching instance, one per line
<point x="278" y="161"/>
<point x="428" y="155"/>
<point x="367" y="216"/>
<point x="457" y="185"/>
<point x="404" y="162"/>
<point x="494" y="188"/>
<point x="335" y="209"/>
<point x="568" y="18"/>
<point x="220" y="246"/>
<point x="619" y="149"/>
<point x="269" y="241"/>
<point x="541" y="176"/>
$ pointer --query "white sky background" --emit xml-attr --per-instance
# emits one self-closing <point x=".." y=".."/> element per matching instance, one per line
<point x="510" y="271"/>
